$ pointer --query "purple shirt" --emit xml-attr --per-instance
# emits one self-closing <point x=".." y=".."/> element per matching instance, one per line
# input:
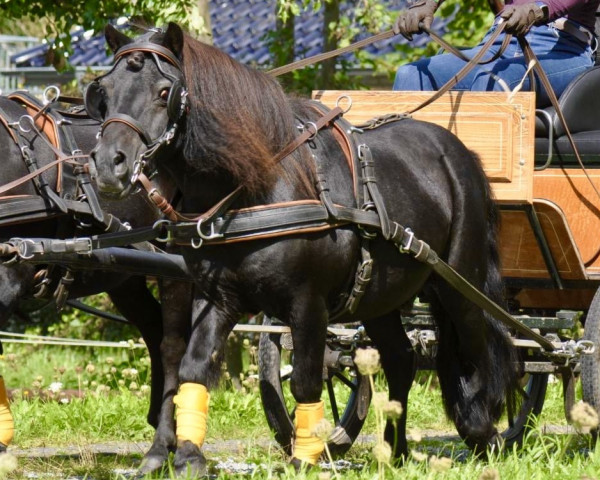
<point x="580" y="11"/>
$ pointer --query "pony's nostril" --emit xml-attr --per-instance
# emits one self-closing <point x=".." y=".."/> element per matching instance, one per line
<point x="118" y="158"/>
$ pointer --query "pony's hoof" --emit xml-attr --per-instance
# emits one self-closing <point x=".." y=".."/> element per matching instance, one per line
<point x="300" y="464"/>
<point x="151" y="463"/>
<point x="189" y="461"/>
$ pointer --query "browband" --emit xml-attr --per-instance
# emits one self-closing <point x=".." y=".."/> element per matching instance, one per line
<point x="149" y="47"/>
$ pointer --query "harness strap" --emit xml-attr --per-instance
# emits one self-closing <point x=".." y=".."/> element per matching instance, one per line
<point x="408" y="243"/>
<point x="220" y="207"/>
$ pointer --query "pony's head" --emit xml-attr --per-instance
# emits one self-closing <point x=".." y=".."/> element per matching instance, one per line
<point x="228" y="121"/>
<point x="140" y="102"/>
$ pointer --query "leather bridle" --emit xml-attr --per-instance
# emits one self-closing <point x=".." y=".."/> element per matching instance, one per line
<point x="176" y="104"/>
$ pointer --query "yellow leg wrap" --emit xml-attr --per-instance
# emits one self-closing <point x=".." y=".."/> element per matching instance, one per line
<point x="307" y="447"/>
<point x="192" y="410"/>
<point x="7" y="425"/>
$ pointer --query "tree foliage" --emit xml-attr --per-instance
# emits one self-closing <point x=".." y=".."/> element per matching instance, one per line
<point x="470" y="21"/>
<point x="59" y="17"/>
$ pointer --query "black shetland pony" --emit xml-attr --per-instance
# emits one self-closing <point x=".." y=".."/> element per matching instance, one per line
<point x="235" y="122"/>
<point x="164" y="327"/>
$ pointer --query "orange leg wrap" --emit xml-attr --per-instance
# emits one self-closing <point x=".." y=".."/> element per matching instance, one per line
<point x="307" y="447"/>
<point x="192" y="410"/>
<point x="7" y="425"/>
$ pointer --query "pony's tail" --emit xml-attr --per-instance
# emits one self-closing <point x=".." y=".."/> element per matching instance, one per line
<point x="504" y="364"/>
<point x="476" y="362"/>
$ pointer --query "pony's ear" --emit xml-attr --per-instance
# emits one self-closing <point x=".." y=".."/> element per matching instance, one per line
<point x="114" y="38"/>
<point x="173" y="39"/>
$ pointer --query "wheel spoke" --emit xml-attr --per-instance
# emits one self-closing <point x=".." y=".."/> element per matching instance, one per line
<point x="333" y="402"/>
<point x="511" y="415"/>
<point x="349" y="383"/>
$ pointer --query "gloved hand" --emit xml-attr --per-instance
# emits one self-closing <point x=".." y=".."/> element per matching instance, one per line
<point x="520" y="18"/>
<point x="408" y="21"/>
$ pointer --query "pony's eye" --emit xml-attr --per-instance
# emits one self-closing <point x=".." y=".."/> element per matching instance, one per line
<point x="164" y="94"/>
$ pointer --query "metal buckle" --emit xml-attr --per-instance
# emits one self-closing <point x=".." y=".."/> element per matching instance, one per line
<point x="196" y="246"/>
<point x="211" y="236"/>
<point x="88" y="246"/>
<point x="157" y="224"/>
<point x="138" y="167"/>
<point x="363" y="147"/>
<point x="411" y="237"/>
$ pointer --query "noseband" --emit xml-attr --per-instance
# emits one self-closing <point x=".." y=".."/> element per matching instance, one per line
<point x="176" y="103"/>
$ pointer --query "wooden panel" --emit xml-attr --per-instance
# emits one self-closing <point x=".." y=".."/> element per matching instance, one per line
<point x="519" y="250"/>
<point x="501" y="133"/>
<point x="571" y="190"/>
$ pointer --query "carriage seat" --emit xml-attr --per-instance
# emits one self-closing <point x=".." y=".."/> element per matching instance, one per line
<point x="580" y="104"/>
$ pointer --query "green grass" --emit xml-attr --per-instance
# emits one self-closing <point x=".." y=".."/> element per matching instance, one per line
<point x="112" y="411"/>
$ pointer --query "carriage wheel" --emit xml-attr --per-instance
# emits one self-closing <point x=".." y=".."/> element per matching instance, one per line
<point x="532" y="395"/>
<point x="348" y="422"/>
<point x="590" y="364"/>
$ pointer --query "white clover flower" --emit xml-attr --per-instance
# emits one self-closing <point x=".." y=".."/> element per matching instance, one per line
<point x="55" y="387"/>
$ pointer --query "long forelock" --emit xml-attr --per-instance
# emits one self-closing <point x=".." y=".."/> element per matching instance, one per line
<point x="238" y="120"/>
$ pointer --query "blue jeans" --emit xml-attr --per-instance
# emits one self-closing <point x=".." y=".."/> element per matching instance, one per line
<point x="561" y="55"/>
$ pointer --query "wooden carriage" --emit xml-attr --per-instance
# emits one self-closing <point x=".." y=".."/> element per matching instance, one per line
<point x="550" y="217"/>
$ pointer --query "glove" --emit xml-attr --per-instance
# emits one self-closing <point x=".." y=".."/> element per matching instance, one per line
<point x="520" y="18"/>
<point x="408" y="21"/>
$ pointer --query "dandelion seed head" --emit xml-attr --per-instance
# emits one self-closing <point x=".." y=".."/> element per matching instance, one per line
<point x="367" y="360"/>
<point x="379" y="400"/>
<point x="418" y="456"/>
<point x="323" y="429"/>
<point x="584" y="417"/>
<point x="382" y="452"/>
<point x="416" y="435"/>
<point x="439" y="464"/>
<point x="8" y="463"/>
<point x="392" y="409"/>
<point x="489" y="473"/>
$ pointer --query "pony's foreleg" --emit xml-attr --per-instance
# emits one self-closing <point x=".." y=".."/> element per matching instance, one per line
<point x="176" y="302"/>
<point x="308" y="321"/>
<point x="199" y="371"/>
<point x="398" y="362"/>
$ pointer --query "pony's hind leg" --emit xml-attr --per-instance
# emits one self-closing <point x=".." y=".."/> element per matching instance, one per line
<point x="398" y="362"/>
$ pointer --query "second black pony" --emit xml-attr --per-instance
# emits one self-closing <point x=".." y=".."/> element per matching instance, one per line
<point x="185" y="109"/>
<point x="164" y="330"/>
